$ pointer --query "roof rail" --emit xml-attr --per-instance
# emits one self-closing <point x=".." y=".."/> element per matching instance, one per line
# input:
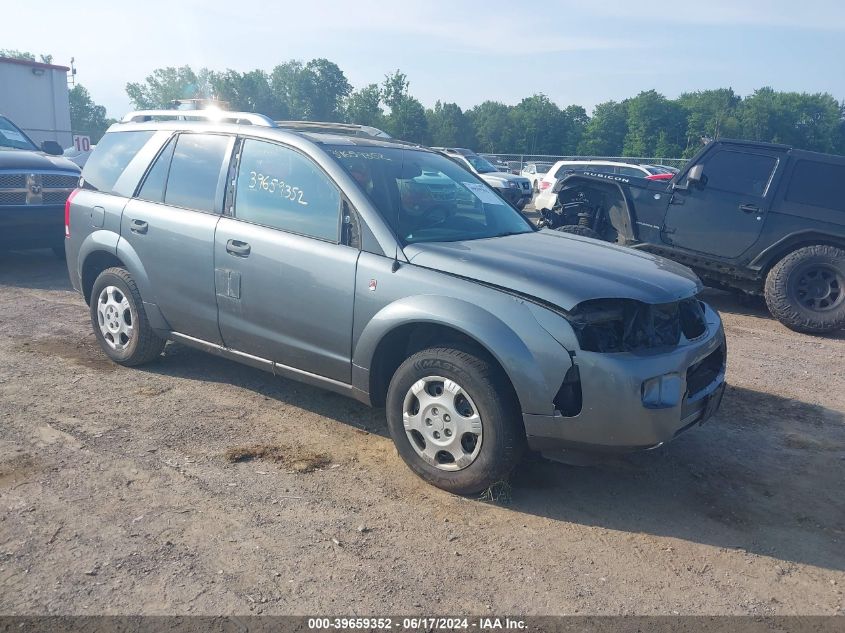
<point x="210" y="115"/>
<point x="351" y="129"/>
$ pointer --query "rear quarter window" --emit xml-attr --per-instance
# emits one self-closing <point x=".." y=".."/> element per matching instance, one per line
<point x="111" y="156"/>
<point x="817" y="184"/>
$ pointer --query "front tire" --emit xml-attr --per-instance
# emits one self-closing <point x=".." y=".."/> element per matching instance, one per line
<point x="120" y="322"/>
<point x="455" y="419"/>
<point x="576" y="229"/>
<point x="806" y="289"/>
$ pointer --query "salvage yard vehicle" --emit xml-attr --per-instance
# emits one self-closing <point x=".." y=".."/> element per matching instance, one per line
<point x="761" y="218"/>
<point x="514" y="189"/>
<point x="623" y="172"/>
<point x="294" y="252"/>
<point x="535" y="172"/>
<point x="34" y="184"/>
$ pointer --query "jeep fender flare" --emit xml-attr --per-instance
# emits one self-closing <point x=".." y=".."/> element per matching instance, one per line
<point x="480" y="325"/>
<point x="780" y="249"/>
<point x="625" y="225"/>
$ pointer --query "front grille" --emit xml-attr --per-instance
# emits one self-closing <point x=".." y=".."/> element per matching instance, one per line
<point x="59" y="181"/>
<point x="626" y="325"/>
<point x="12" y="181"/>
<point x="36" y="188"/>
<point x="12" y="197"/>
<point x="704" y="372"/>
<point x="55" y="197"/>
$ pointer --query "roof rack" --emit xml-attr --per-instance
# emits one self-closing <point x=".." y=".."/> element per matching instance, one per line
<point x="350" y="129"/>
<point x="210" y="115"/>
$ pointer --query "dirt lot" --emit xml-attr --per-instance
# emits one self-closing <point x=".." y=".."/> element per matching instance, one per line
<point x="116" y="494"/>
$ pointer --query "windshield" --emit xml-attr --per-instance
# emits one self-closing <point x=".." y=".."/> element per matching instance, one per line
<point x="426" y="197"/>
<point x="11" y="137"/>
<point x="480" y="165"/>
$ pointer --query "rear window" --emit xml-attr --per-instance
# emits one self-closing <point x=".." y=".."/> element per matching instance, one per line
<point x="196" y="178"/>
<point x="818" y="185"/>
<point x="111" y="156"/>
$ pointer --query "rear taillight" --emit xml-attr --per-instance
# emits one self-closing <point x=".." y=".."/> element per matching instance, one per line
<point x="544" y="185"/>
<point x="67" y="212"/>
<point x="659" y="177"/>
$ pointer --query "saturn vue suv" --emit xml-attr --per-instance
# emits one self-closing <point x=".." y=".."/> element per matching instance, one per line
<point x="309" y="255"/>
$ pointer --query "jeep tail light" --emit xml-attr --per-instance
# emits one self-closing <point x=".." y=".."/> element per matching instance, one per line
<point x="544" y="184"/>
<point x="67" y="212"/>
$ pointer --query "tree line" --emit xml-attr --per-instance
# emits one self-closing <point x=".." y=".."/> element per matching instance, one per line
<point x="646" y="125"/>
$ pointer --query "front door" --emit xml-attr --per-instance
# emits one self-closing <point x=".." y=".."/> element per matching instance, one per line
<point x="725" y="214"/>
<point x="170" y="225"/>
<point x="285" y="282"/>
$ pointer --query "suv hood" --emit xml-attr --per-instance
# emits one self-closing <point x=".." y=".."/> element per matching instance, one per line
<point x="500" y="175"/>
<point x="560" y="268"/>
<point x="28" y="160"/>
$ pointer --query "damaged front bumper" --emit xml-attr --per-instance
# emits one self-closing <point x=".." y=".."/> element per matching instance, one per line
<point x="638" y="400"/>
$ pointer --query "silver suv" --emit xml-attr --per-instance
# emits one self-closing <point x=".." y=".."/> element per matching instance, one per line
<point x="343" y="262"/>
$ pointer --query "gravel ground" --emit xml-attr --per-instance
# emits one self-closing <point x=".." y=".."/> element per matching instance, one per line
<point x="117" y="495"/>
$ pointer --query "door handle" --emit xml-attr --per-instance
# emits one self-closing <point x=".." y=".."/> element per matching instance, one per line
<point x="238" y="248"/>
<point x="749" y="208"/>
<point x="138" y="226"/>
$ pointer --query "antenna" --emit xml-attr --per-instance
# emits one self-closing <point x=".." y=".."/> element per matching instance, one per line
<point x="72" y="79"/>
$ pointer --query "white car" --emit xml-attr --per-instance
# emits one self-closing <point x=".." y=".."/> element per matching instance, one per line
<point x="535" y="172"/>
<point x="546" y="197"/>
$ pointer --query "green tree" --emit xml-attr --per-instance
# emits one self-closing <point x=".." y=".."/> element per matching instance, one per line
<point x="364" y="107"/>
<point x="539" y="126"/>
<point x="711" y="114"/>
<point x="248" y="92"/>
<point x="492" y="124"/>
<point x="25" y="55"/>
<point x="165" y="85"/>
<point x="605" y="132"/>
<point x="448" y="126"/>
<point x="311" y="92"/>
<point x="86" y="117"/>
<point x="654" y="122"/>
<point x="407" y="115"/>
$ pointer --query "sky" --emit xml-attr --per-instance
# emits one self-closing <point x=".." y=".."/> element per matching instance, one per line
<point x="461" y="51"/>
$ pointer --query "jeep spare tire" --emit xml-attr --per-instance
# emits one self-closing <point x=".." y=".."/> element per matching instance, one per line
<point x="806" y="289"/>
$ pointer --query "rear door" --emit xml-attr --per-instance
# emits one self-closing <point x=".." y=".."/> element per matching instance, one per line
<point x="170" y="224"/>
<point x="285" y="282"/>
<point x="725" y="215"/>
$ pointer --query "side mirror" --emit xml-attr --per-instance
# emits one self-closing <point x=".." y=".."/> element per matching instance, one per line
<point x="52" y="148"/>
<point x="696" y="177"/>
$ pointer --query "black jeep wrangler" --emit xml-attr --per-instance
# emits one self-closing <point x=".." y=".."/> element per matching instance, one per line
<point x="35" y="183"/>
<point x="761" y="218"/>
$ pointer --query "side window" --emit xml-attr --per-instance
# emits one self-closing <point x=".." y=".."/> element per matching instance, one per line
<point x="156" y="180"/>
<point x="197" y="174"/>
<point x="280" y="188"/>
<point x="111" y="156"/>
<point x="739" y="172"/>
<point x="631" y="171"/>
<point x="818" y="185"/>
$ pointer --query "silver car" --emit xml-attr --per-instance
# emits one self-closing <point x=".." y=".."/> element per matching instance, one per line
<point x="388" y="273"/>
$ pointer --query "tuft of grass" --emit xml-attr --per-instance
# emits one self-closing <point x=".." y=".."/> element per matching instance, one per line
<point x="299" y="463"/>
<point x="499" y="492"/>
<point x="255" y="451"/>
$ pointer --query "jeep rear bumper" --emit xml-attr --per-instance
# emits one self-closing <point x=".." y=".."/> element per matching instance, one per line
<point x="638" y="401"/>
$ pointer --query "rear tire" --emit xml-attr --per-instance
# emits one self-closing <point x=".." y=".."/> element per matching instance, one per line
<point x="576" y="229"/>
<point x="466" y="433"/>
<point x="120" y="322"/>
<point x="806" y="289"/>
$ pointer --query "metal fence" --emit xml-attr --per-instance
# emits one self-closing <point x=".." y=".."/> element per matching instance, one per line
<point x="522" y="159"/>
